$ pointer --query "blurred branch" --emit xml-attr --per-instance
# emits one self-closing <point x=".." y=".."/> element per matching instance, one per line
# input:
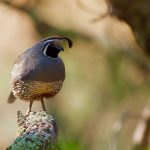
<point x="136" y="14"/>
<point x="37" y="131"/>
<point x="142" y="131"/>
<point x="118" y="127"/>
<point x="21" y="4"/>
<point x="90" y="10"/>
<point x="86" y="8"/>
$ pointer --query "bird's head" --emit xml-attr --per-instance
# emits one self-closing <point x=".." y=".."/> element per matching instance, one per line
<point x="53" y="45"/>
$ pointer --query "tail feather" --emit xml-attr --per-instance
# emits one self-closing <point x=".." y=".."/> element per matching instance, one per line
<point x="11" y="98"/>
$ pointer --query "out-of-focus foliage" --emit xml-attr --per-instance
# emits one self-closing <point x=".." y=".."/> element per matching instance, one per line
<point x="106" y="72"/>
<point x="136" y="14"/>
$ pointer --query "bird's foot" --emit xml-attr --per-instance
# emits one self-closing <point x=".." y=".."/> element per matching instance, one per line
<point x="29" y="108"/>
<point x="27" y="112"/>
<point x="43" y="106"/>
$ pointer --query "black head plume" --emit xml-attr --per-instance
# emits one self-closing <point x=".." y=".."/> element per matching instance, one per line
<point x="54" y="45"/>
<point x="70" y="43"/>
<point x="54" y="39"/>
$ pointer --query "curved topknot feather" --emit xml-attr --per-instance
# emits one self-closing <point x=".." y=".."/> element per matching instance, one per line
<point x="69" y="41"/>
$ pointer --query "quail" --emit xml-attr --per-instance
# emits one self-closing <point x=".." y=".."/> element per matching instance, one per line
<point x="39" y="72"/>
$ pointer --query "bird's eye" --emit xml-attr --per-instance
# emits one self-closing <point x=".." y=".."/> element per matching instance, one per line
<point x="51" y="51"/>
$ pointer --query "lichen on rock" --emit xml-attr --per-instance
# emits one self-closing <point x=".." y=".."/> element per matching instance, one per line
<point x="36" y="131"/>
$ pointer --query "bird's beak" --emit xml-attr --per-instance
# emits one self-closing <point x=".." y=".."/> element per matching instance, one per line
<point x="58" y="45"/>
<point x="61" y="48"/>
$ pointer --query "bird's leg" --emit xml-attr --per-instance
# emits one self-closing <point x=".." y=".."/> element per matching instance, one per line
<point x="29" y="108"/>
<point x="43" y="106"/>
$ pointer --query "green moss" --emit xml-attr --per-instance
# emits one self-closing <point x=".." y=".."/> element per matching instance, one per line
<point x="36" y="131"/>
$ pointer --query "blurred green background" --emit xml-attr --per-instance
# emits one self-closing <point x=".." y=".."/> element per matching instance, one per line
<point x="106" y="71"/>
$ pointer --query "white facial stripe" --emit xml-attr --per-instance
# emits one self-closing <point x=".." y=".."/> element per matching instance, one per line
<point x="44" y="52"/>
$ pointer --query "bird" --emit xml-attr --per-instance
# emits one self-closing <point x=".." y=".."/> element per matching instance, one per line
<point x="39" y="72"/>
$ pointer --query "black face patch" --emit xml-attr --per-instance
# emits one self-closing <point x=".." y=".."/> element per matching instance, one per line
<point x="52" y="51"/>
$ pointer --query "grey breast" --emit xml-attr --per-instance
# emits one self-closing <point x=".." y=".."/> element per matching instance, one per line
<point x="33" y="65"/>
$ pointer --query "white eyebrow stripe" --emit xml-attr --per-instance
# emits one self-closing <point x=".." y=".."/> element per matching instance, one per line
<point x="48" y="41"/>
